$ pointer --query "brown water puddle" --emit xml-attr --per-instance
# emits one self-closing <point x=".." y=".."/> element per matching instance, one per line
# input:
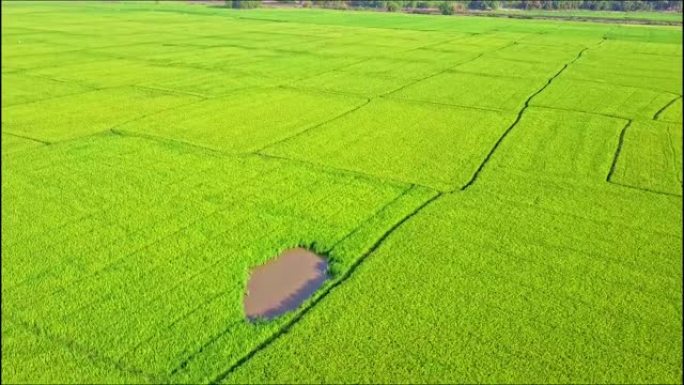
<point x="284" y="283"/>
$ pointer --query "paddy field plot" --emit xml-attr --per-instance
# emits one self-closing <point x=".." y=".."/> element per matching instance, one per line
<point x="496" y="200"/>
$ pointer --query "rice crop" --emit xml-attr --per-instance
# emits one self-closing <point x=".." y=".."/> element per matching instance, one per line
<point x="498" y="200"/>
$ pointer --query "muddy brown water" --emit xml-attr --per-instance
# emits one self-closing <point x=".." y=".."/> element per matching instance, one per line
<point x="284" y="283"/>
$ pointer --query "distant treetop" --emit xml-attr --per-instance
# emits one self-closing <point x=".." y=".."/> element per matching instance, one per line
<point x="448" y="6"/>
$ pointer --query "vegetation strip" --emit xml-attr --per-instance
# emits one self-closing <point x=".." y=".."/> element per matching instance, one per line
<point x="589" y="19"/>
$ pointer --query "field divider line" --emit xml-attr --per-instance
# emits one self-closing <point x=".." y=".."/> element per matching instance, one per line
<point x="92" y="355"/>
<point x="305" y="130"/>
<point x="115" y="130"/>
<point x="100" y="56"/>
<point x="345" y="276"/>
<point x="625" y="86"/>
<point x="448" y="105"/>
<point x="89" y="88"/>
<point x="164" y="140"/>
<point x="401" y="100"/>
<point x="618" y="150"/>
<point x="674" y="156"/>
<point x="141" y="117"/>
<point x="448" y="69"/>
<point x="582" y="112"/>
<point x="171" y="91"/>
<point x="85" y="49"/>
<point x="322" y="91"/>
<point x="258" y="154"/>
<point x="215" y="152"/>
<point x="427" y="46"/>
<point x="370" y="99"/>
<point x="343" y="171"/>
<point x="377" y="212"/>
<point x="46" y="77"/>
<point x="306" y="77"/>
<point x="49" y="98"/>
<point x="647" y="190"/>
<point x="416" y="81"/>
<point x="45" y="142"/>
<point x="493" y="76"/>
<point x="660" y="111"/>
<point x="515" y="122"/>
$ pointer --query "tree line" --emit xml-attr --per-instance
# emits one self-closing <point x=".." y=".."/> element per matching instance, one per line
<point x="446" y="6"/>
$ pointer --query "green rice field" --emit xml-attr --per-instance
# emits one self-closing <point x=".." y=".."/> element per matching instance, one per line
<point x="499" y="200"/>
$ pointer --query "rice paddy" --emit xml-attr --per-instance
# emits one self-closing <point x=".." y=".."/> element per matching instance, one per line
<point x="496" y="200"/>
